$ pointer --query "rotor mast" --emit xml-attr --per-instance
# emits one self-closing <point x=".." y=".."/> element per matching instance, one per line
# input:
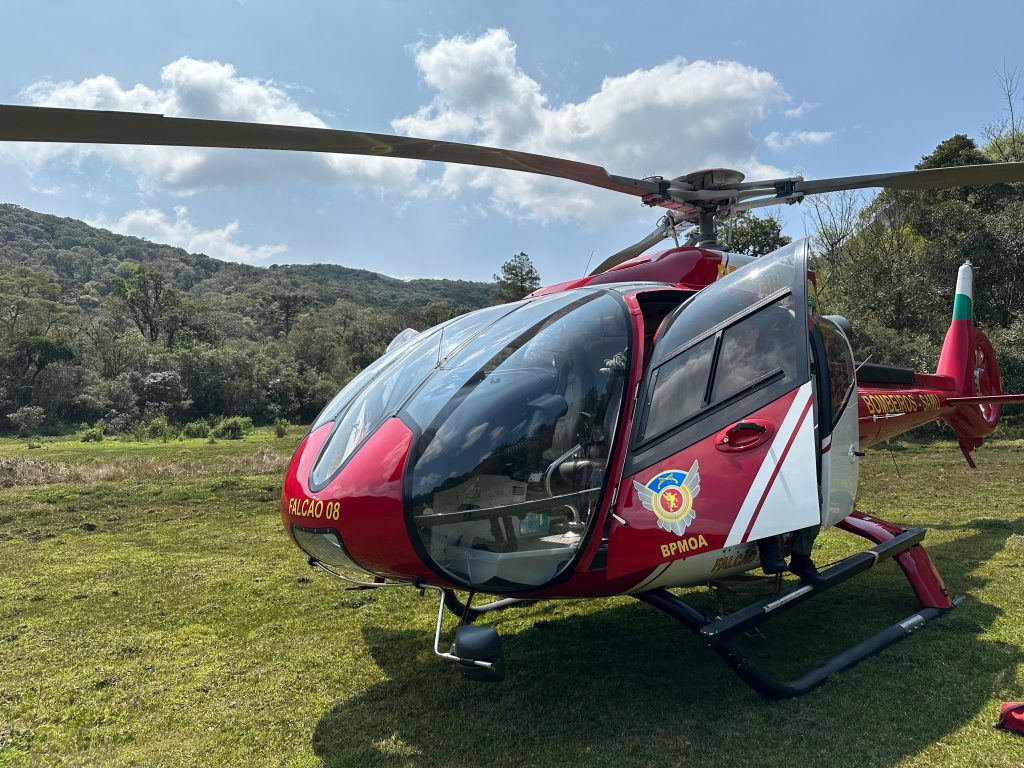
<point x="708" y="235"/>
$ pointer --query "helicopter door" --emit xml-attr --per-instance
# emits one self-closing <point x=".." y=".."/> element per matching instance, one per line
<point x="839" y="432"/>
<point x="723" y="447"/>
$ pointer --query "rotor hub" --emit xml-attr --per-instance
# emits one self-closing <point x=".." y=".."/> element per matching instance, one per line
<point x="712" y="178"/>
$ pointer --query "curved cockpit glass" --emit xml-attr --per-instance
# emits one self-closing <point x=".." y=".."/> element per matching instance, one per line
<point x="379" y="390"/>
<point x="515" y="436"/>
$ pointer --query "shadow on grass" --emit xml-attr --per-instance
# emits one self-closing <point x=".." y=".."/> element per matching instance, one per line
<point x="627" y="686"/>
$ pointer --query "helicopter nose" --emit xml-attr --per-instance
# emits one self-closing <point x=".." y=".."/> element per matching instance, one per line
<point x="358" y="519"/>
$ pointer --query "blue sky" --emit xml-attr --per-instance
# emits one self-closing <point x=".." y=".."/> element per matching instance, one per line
<point x="817" y="88"/>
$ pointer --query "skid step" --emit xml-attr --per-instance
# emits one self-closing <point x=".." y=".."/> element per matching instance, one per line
<point x="778" y="689"/>
<point x="751" y="615"/>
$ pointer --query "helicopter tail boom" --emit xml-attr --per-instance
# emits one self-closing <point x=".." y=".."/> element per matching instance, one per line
<point x="965" y="391"/>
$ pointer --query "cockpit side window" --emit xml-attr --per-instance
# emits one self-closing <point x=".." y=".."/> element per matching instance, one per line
<point x="734" y="347"/>
<point x="740" y="359"/>
<point x="752" y="350"/>
<point x="678" y="388"/>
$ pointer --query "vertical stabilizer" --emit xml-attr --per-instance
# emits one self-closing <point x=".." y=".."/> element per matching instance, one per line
<point x="955" y="359"/>
<point x="968" y="359"/>
<point x="963" y="301"/>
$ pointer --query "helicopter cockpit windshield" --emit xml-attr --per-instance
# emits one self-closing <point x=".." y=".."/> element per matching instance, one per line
<point x="515" y="439"/>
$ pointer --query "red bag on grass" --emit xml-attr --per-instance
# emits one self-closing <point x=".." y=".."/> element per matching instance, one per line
<point x="1011" y="717"/>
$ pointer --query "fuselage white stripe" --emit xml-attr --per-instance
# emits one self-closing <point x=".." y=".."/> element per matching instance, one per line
<point x="654" y="575"/>
<point x="767" y="468"/>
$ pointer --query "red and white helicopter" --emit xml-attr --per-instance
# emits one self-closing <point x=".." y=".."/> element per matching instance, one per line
<point x="635" y="430"/>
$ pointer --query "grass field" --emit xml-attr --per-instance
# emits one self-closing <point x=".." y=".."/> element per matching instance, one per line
<point x="153" y="613"/>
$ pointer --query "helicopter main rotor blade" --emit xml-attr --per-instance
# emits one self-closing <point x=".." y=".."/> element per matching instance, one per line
<point x="87" y="126"/>
<point x="659" y="234"/>
<point x="928" y="178"/>
<point x="687" y="196"/>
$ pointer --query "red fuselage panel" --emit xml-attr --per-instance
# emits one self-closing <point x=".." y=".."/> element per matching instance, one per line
<point x="368" y="495"/>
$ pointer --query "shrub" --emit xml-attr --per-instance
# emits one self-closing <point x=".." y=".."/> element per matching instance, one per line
<point x="281" y="427"/>
<point x="34" y="444"/>
<point x="159" y="429"/>
<point x="28" y="420"/>
<point x="196" y="429"/>
<point x="233" y="428"/>
<point x="118" y="423"/>
<point x="93" y="434"/>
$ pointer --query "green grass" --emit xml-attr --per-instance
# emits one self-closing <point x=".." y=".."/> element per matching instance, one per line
<point x="153" y="613"/>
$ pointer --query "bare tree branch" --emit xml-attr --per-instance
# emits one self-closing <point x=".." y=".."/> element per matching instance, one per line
<point x="1005" y="136"/>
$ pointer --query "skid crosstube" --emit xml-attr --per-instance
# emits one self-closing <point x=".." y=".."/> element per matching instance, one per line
<point x="892" y="542"/>
<point x="467" y="612"/>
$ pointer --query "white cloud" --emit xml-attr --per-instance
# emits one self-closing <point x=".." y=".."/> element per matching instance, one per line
<point x="800" y="111"/>
<point x="780" y="143"/>
<point x="410" y="278"/>
<point x="672" y="118"/>
<point x="207" y="89"/>
<point x="153" y="225"/>
<point x="667" y="120"/>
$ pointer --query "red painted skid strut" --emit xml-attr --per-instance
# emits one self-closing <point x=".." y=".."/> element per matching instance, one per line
<point x="916" y="564"/>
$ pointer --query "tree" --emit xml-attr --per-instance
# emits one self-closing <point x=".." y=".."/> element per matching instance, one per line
<point x="282" y="306"/>
<point x="1006" y="135"/>
<point x="891" y="265"/>
<point x="30" y="303"/>
<point x="28" y="420"/>
<point x="755" y="235"/>
<point x="1005" y="293"/>
<point x="156" y="307"/>
<point x="518" y="277"/>
<point x="833" y="218"/>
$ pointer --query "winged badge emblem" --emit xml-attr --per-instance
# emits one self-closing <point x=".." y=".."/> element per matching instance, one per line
<point x="669" y="495"/>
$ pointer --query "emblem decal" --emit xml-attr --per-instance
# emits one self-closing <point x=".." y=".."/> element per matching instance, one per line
<point x="669" y="495"/>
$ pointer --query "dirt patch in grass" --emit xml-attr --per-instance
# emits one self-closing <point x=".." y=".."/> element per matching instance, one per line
<point x="17" y="471"/>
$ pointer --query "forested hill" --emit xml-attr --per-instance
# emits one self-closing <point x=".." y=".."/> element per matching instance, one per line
<point x="74" y="251"/>
<point x="97" y="327"/>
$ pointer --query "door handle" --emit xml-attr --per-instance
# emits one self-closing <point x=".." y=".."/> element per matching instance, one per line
<point x="744" y="435"/>
<point x="748" y="425"/>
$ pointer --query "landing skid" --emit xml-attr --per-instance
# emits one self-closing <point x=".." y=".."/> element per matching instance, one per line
<point x="890" y="541"/>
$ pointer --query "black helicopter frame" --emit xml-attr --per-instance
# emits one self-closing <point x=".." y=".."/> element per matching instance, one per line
<point x="719" y="633"/>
